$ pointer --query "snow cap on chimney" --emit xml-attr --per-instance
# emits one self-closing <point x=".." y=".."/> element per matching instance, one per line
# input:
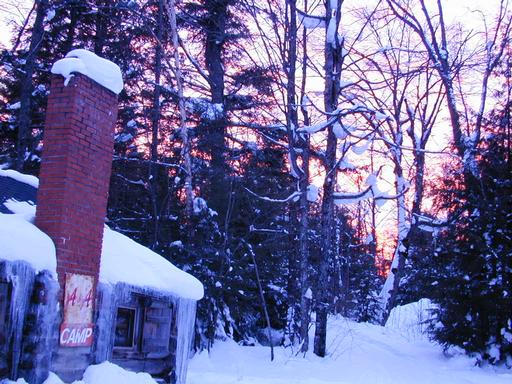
<point x="87" y="63"/>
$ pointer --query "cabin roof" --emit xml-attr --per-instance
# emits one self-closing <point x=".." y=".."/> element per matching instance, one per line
<point x="122" y="261"/>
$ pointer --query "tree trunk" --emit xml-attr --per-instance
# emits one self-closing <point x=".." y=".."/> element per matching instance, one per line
<point x="304" y="243"/>
<point x="24" y="140"/>
<point x="215" y="125"/>
<point x="292" y="121"/>
<point x="185" y="152"/>
<point x="392" y="283"/>
<point x="71" y="31"/>
<point x="101" y="26"/>
<point x="263" y="302"/>
<point x="155" y="126"/>
<point x="333" y="62"/>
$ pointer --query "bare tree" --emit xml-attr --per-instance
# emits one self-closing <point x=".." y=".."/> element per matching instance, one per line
<point x="304" y="211"/>
<point x="399" y="82"/>
<point x="448" y="56"/>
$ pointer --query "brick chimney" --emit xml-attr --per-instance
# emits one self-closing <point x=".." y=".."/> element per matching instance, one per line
<point x="75" y="172"/>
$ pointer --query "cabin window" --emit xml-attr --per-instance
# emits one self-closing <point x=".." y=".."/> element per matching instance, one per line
<point x="125" y="325"/>
<point x="143" y="327"/>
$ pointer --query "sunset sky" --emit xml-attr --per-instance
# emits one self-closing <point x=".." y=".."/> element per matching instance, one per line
<point x="16" y="11"/>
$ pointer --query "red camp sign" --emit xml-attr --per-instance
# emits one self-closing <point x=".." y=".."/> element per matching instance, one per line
<point x="77" y="329"/>
<point x="73" y="335"/>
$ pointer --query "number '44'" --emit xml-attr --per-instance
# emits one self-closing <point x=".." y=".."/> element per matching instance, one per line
<point x="84" y="302"/>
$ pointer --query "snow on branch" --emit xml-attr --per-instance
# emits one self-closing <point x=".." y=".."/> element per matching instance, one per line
<point x="429" y="224"/>
<point x="310" y="129"/>
<point x="371" y="192"/>
<point x="161" y="163"/>
<point x="252" y="228"/>
<point x="351" y="198"/>
<point x="337" y="114"/>
<point x="293" y="197"/>
<point x="311" y="21"/>
<point x="136" y="182"/>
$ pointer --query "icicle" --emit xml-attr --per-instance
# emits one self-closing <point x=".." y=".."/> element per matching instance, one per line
<point x="21" y="276"/>
<point x="185" y="320"/>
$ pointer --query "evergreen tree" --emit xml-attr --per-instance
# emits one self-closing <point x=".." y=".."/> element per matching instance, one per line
<point x="474" y="257"/>
<point x="420" y="273"/>
<point x="354" y="281"/>
<point x="114" y="30"/>
<point x="222" y="256"/>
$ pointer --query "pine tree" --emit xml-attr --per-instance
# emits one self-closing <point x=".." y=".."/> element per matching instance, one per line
<point x="114" y="30"/>
<point x="420" y="274"/>
<point x="474" y="257"/>
<point x="222" y="259"/>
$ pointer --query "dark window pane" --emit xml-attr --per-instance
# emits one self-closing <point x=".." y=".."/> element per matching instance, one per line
<point x="125" y="324"/>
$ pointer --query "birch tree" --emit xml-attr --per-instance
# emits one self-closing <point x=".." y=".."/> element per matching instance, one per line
<point x="170" y="6"/>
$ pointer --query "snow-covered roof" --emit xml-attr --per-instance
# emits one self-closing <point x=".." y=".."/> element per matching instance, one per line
<point x="22" y="178"/>
<point x="11" y="188"/>
<point x="126" y="261"/>
<point x="22" y="241"/>
<point x="89" y="64"/>
<point x="122" y="260"/>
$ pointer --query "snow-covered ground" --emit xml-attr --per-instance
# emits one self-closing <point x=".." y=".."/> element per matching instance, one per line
<point x="358" y="354"/>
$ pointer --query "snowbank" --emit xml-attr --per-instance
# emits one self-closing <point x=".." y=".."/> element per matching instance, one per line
<point x="110" y="373"/>
<point x="411" y="319"/>
<point x="104" y="373"/>
<point x="89" y="64"/>
<point x="22" y="241"/>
